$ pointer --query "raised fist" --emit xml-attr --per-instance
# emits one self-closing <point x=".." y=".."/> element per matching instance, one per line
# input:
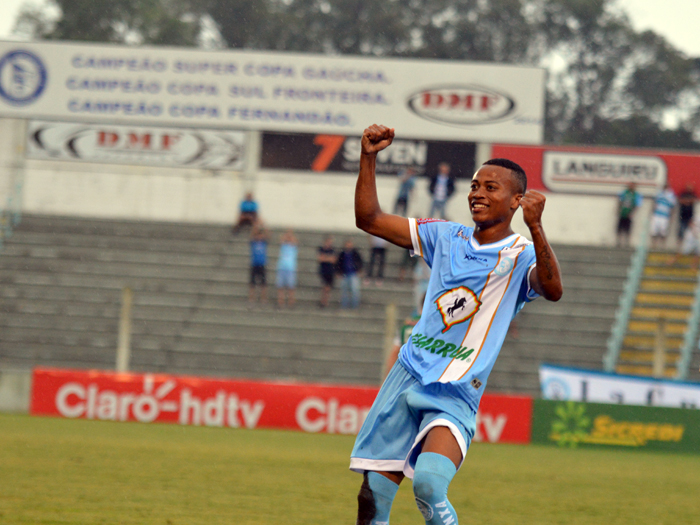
<point x="376" y="137"/>
<point x="532" y="204"/>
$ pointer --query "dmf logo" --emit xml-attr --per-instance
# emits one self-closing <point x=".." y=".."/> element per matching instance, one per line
<point x="462" y="105"/>
<point x="143" y="141"/>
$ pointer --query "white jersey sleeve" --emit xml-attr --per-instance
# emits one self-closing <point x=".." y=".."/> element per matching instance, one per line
<point x="424" y="236"/>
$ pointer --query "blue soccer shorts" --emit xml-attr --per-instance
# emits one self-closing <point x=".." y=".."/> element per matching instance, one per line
<point x="401" y="416"/>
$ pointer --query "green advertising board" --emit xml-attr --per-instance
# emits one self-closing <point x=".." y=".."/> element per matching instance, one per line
<point x="572" y="424"/>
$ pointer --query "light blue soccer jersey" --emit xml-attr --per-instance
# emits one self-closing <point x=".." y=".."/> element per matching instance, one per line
<point x="473" y="294"/>
<point x="664" y="203"/>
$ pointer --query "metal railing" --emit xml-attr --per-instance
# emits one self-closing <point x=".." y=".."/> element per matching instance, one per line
<point x="690" y="337"/>
<point x="629" y="294"/>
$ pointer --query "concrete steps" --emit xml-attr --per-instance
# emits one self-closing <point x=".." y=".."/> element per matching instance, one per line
<point x="661" y="308"/>
<point x="60" y="291"/>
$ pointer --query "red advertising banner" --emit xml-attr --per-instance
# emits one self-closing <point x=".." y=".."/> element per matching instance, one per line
<point x="162" y="398"/>
<point x="601" y="170"/>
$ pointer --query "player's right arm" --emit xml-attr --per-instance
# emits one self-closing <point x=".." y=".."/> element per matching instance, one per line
<point x="369" y="216"/>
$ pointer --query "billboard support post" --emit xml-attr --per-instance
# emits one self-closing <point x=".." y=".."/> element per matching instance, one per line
<point x="124" y="341"/>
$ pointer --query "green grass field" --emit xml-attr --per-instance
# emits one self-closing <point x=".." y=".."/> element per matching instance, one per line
<point x="59" y="471"/>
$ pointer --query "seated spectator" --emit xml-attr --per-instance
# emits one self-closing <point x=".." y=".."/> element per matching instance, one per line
<point x="248" y="213"/>
<point x="348" y="265"/>
<point x="326" y="269"/>
<point x="287" y="270"/>
<point x="258" y="261"/>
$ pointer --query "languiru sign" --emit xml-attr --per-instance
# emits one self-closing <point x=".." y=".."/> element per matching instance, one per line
<point x="246" y="90"/>
<point x="602" y="173"/>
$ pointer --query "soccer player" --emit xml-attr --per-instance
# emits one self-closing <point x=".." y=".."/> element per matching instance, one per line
<point x="424" y="417"/>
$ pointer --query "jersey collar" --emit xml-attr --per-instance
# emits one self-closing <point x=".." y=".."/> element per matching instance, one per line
<point x="511" y="239"/>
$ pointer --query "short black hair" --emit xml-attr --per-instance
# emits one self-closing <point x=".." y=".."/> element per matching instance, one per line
<point x="518" y="173"/>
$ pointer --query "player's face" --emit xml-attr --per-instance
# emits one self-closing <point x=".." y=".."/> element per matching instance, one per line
<point x="493" y="198"/>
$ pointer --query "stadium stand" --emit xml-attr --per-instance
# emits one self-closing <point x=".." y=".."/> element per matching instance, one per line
<point x="663" y="303"/>
<point x="61" y="281"/>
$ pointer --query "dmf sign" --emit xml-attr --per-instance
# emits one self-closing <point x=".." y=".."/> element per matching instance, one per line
<point x="148" y="140"/>
<point x="138" y="145"/>
<point x="461" y="105"/>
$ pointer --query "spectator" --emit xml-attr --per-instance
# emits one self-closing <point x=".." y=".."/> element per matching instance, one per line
<point x="287" y="270"/>
<point x="421" y="279"/>
<point x="691" y="243"/>
<point x="326" y="269"/>
<point x="248" y="213"/>
<point x="348" y="265"/>
<point x="628" y="201"/>
<point x="378" y="256"/>
<point x="686" y="208"/>
<point x="664" y="203"/>
<point x="407" y="180"/>
<point x="407" y="265"/>
<point x="258" y="261"/>
<point x="442" y="186"/>
<point x="402" y="336"/>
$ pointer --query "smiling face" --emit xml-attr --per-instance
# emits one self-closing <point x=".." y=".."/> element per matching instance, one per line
<point x="493" y="197"/>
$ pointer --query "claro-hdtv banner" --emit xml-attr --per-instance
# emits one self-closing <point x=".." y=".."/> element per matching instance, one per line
<point x="183" y="400"/>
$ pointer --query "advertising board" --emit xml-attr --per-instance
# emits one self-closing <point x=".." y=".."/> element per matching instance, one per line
<point x="572" y="424"/>
<point x="184" y="400"/>
<point x="143" y="145"/>
<point x="596" y="170"/>
<point x="273" y="91"/>
<point x="339" y="153"/>
<point x="570" y="384"/>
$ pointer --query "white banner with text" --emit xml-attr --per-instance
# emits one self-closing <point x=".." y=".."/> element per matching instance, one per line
<point x="247" y="90"/>
<point x="570" y="384"/>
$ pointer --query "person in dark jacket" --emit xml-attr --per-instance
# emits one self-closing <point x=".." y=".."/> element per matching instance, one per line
<point x="348" y="265"/>
<point x="442" y="186"/>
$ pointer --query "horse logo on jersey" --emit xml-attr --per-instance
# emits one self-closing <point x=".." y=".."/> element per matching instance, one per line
<point x="457" y="305"/>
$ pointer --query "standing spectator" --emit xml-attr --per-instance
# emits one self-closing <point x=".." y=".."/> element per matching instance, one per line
<point x="348" y="265"/>
<point x="258" y="261"/>
<point x="287" y="269"/>
<point x="691" y="243"/>
<point x="248" y="214"/>
<point x="378" y="256"/>
<point x="407" y="180"/>
<point x="326" y="269"/>
<point x="664" y="203"/>
<point x="402" y="337"/>
<point x="628" y="201"/>
<point x="442" y="186"/>
<point x="407" y="265"/>
<point x="686" y="208"/>
<point x="421" y="279"/>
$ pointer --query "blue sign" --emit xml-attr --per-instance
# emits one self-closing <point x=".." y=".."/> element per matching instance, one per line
<point x="22" y="77"/>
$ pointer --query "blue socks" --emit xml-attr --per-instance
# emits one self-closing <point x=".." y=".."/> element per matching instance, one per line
<point x="384" y="491"/>
<point x="433" y="474"/>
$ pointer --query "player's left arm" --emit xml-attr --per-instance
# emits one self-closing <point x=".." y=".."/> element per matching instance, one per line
<point x="546" y="279"/>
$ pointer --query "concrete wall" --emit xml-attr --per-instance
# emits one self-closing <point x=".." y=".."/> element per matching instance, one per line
<point x="15" y="388"/>
<point x="287" y="198"/>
